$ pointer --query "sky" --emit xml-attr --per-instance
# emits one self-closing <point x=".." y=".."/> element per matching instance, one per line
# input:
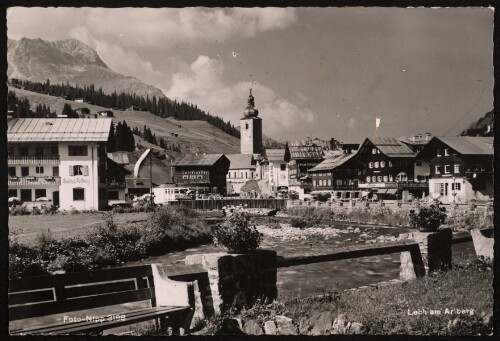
<point x="315" y="72"/>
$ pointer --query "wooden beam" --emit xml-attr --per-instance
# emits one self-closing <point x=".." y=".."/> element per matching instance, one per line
<point x="350" y="252"/>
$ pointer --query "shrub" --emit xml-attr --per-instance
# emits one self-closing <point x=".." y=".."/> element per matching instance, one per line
<point x="428" y="218"/>
<point x="324" y="197"/>
<point x="301" y="223"/>
<point x="237" y="234"/>
<point x="273" y="223"/>
<point x="36" y="211"/>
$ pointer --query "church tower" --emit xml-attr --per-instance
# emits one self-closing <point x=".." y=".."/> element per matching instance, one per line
<point x="251" y="129"/>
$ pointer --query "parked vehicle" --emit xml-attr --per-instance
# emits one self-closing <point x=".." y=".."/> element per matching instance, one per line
<point x="164" y="195"/>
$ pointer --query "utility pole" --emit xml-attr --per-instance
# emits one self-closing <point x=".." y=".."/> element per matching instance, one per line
<point x="151" y="176"/>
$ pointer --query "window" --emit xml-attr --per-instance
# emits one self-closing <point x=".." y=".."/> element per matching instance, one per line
<point x="54" y="149"/>
<point x="283" y="167"/>
<point x="55" y="171"/>
<point x="12" y="171"/>
<point x="368" y="178"/>
<point x="26" y="195"/>
<point x="455" y="186"/>
<point x="446" y="152"/>
<point x="402" y="177"/>
<point x="12" y="193"/>
<point x="314" y="183"/>
<point x="370" y="165"/>
<point x="447" y="169"/>
<point x="375" y="164"/>
<point x="39" y="151"/>
<point x="374" y="178"/>
<point x="339" y="182"/>
<point x="40" y="193"/>
<point x="391" y="178"/>
<point x="418" y="163"/>
<point x="379" y="178"/>
<point x="386" y="178"/>
<point x="113" y="195"/>
<point x="25" y="171"/>
<point x="382" y="164"/>
<point x="456" y="169"/>
<point x="374" y="151"/>
<point x="437" y="170"/>
<point x="439" y="152"/>
<point x="39" y="170"/>
<point x="78" y="194"/>
<point x="24" y="151"/>
<point x="77" y="150"/>
<point x="78" y="170"/>
<point x="199" y="177"/>
<point x="329" y="182"/>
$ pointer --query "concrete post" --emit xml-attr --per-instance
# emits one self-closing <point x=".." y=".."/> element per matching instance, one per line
<point x="238" y="279"/>
<point x="435" y="253"/>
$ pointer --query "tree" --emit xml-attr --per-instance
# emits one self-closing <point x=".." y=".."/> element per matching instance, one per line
<point x="68" y="111"/>
<point x="110" y="146"/>
<point x="287" y="156"/>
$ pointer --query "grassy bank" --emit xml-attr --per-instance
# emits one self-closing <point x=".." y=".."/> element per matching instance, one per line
<point x="109" y="243"/>
<point x="388" y="310"/>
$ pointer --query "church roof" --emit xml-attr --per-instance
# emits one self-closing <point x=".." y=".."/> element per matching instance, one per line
<point x="241" y="161"/>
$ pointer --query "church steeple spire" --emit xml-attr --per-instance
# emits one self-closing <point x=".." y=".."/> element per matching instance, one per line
<point x="250" y="111"/>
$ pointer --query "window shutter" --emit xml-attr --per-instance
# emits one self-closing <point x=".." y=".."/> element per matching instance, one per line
<point x="85" y="170"/>
<point x="71" y="171"/>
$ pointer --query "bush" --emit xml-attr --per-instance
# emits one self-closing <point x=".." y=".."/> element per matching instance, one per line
<point x="428" y="218"/>
<point x="323" y="197"/>
<point x="237" y="234"/>
<point x="301" y="223"/>
<point x="169" y="228"/>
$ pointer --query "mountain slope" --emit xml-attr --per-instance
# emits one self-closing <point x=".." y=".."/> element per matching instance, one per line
<point x="480" y="127"/>
<point x="69" y="61"/>
<point x="192" y="136"/>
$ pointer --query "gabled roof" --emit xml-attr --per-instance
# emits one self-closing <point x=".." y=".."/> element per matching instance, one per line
<point x="465" y="145"/>
<point x="469" y="145"/>
<point x="241" y="161"/>
<point x="275" y="155"/>
<point x="389" y="146"/>
<point x="306" y="152"/>
<point x="120" y="158"/>
<point x="332" y="163"/>
<point x="198" y="160"/>
<point x="58" y="129"/>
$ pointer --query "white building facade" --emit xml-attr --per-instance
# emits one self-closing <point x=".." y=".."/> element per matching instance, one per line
<point x="59" y="160"/>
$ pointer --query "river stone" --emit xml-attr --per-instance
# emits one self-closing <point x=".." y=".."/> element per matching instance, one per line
<point x="231" y="326"/>
<point x="356" y="230"/>
<point x="285" y="325"/>
<point x="357" y="328"/>
<point x="304" y="325"/>
<point x="251" y="327"/>
<point x="270" y="328"/>
<point x="321" y="323"/>
<point x="340" y="324"/>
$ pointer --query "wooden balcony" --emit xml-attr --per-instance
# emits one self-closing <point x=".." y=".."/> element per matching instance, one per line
<point x="33" y="159"/>
<point x="34" y="181"/>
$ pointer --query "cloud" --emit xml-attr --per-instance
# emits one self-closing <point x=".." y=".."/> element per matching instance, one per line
<point x="351" y="123"/>
<point x="167" y="27"/>
<point x="204" y="85"/>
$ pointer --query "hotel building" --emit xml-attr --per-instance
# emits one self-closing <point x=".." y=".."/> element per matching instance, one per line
<point x="58" y="159"/>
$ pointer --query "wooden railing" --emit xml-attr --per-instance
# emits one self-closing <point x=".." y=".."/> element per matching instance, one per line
<point x="352" y="252"/>
<point x="33" y="159"/>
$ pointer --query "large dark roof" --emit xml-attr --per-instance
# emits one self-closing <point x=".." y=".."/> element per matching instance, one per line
<point x="332" y="163"/>
<point x="198" y="160"/>
<point x="469" y="145"/>
<point x="389" y="146"/>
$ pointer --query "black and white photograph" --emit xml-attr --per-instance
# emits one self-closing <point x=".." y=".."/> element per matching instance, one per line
<point x="201" y="171"/>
